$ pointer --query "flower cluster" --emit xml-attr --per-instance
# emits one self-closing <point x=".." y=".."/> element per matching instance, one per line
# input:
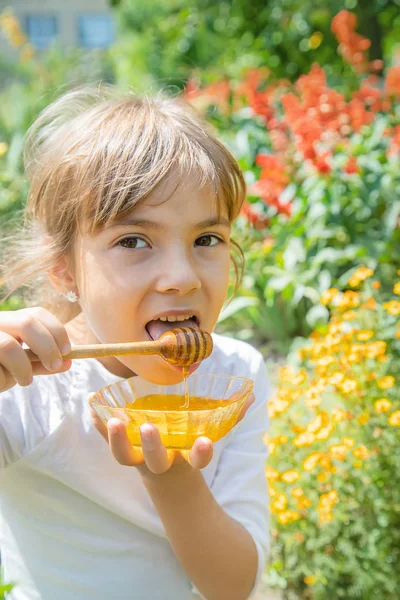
<point x="308" y="122"/>
<point x="333" y="414"/>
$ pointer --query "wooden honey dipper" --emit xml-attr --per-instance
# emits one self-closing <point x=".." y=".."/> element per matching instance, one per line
<point x="183" y="347"/>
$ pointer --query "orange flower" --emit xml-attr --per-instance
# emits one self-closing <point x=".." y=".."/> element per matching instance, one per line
<point x="351" y="166"/>
<point x="393" y="80"/>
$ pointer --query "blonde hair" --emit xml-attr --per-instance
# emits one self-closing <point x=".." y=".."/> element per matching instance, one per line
<point x="90" y="158"/>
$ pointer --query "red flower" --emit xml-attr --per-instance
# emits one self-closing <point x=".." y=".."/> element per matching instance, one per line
<point x="393" y="80"/>
<point x="352" y="46"/>
<point x="256" y="219"/>
<point x="322" y="164"/>
<point x="351" y="166"/>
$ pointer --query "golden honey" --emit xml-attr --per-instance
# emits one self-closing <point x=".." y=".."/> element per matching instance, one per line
<point x="179" y="428"/>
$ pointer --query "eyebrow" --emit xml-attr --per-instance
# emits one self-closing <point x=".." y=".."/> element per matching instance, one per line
<point x="145" y="223"/>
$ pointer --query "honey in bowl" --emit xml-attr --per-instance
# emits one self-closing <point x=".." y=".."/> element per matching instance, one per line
<point x="215" y="402"/>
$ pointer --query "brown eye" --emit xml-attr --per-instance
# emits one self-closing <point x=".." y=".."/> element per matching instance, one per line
<point x="208" y="240"/>
<point x="133" y="243"/>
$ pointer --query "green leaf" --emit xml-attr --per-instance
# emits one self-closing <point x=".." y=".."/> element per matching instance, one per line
<point x="236" y="305"/>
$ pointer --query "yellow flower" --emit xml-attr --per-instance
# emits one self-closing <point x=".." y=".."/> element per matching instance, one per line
<point x="310" y="580"/>
<point x="338" y="414"/>
<point x="360" y="275"/>
<point x="376" y="285"/>
<point x="324" y="433"/>
<point x="326" y="463"/>
<point x="300" y="377"/>
<point x="276" y="407"/>
<point x="304" y="439"/>
<point x="386" y="382"/>
<point x="290" y="476"/>
<point x="392" y="307"/>
<point x="297" y="492"/>
<point x="357" y="464"/>
<point x="396" y="288"/>
<point x="330" y="498"/>
<point x="394" y="419"/>
<point x="338" y="451"/>
<point x="363" y="418"/>
<point x="361" y="452"/>
<point x="286" y="374"/>
<point x="364" y="335"/>
<point x="3" y="148"/>
<point x="322" y="477"/>
<point x="382" y="405"/>
<point x="303" y="503"/>
<point x="281" y="439"/>
<point x="375" y="349"/>
<point x="279" y="503"/>
<point x="348" y="386"/>
<point x="311" y="461"/>
<point x="325" y="516"/>
<point x="316" y="424"/>
<point x="348" y="442"/>
<point x="287" y="516"/>
<point x="349" y="315"/>
<point x="336" y="378"/>
<point x="271" y="474"/>
<point x="328" y="296"/>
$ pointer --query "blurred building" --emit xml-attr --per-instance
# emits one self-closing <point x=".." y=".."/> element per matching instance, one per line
<point x="72" y="23"/>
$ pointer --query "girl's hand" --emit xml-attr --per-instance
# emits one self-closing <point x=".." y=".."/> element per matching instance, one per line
<point x="153" y="457"/>
<point x="43" y="333"/>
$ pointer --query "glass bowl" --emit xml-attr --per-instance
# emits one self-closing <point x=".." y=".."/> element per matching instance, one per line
<point x="215" y="402"/>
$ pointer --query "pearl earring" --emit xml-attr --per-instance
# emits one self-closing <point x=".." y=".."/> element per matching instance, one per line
<point x="71" y="296"/>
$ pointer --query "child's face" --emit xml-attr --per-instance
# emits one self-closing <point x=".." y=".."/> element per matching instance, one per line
<point x="170" y="254"/>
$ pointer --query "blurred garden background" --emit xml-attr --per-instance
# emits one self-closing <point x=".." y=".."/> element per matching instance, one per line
<point x="307" y="96"/>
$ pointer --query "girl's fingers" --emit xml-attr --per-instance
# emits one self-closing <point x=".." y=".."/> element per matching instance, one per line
<point x="120" y="446"/>
<point x="158" y="459"/>
<point x="99" y="425"/>
<point x="14" y="362"/>
<point x="15" y="322"/>
<point x="7" y="381"/>
<point x="39" y="369"/>
<point x="201" y="453"/>
<point x="39" y="339"/>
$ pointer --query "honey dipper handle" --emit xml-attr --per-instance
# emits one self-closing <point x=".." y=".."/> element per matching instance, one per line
<point x="99" y="350"/>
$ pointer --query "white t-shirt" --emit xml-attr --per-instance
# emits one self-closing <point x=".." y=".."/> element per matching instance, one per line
<point x="76" y="524"/>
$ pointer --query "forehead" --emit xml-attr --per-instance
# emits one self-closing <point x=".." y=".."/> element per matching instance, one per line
<point x="183" y="198"/>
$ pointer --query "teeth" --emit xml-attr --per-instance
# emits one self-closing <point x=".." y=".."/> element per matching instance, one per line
<point x="172" y="319"/>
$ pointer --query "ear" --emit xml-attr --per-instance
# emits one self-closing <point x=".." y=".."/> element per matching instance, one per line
<point x="61" y="276"/>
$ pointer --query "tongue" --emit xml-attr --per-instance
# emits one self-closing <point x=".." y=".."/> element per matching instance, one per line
<point x="155" y="329"/>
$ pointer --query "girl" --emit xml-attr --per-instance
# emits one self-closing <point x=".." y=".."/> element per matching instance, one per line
<point x="128" y="217"/>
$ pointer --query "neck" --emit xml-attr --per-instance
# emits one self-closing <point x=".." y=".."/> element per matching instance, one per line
<point x="80" y="333"/>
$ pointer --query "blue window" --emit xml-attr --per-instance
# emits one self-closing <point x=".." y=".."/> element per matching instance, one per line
<point x="96" y="30"/>
<point x="41" y="30"/>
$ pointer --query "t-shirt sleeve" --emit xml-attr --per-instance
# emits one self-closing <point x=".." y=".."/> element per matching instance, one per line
<point x="240" y="485"/>
<point x="27" y="416"/>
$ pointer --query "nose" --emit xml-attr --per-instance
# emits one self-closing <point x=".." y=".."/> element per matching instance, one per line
<point x="178" y="273"/>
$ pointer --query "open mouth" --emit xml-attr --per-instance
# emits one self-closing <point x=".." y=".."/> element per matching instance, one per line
<point x="156" y="327"/>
